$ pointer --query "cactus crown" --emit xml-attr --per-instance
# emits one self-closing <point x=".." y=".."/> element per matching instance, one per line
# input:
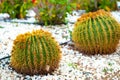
<point x="93" y="15"/>
<point x="35" y="53"/>
<point x="96" y="33"/>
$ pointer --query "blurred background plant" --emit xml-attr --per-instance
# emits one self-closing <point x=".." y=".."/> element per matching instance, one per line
<point x="107" y="5"/>
<point x="83" y="4"/>
<point x="53" y="11"/>
<point x="15" y="8"/>
<point x="93" y="5"/>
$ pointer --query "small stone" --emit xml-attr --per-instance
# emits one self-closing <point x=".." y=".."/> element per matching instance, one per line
<point x="47" y="67"/>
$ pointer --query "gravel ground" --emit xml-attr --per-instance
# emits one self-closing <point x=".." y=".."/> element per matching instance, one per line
<point x="73" y="66"/>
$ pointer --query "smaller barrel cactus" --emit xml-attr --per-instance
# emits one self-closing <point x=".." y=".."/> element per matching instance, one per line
<point x="96" y="33"/>
<point x="35" y="53"/>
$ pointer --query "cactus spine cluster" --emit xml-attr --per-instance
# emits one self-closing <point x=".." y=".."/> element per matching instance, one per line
<point x="96" y="33"/>
<point x="35" y="52"/>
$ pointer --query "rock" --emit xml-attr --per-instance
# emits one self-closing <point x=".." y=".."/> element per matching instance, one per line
<point x="4" y="16"/>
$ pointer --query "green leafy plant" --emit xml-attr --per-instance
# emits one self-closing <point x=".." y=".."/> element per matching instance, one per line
<point x="107" y="5"/>
<point x="96" y="33"/>
<point x="53" y="11"/>
<point x="16" y="8"/>
<point x="93" y="5"/>
<point x="88" y="5"/>
<point x="35" y="53"/>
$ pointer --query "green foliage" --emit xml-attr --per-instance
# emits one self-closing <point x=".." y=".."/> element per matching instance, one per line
<point x="107" y="5"/>
<point x="106" y="70"/>
<point x="35" y="53"/>
<point x="93" y="5"/>
<point x="73" y="65"/>
<point x="87" y="5"/>
<point x="96" y="33"/>
<point x="16" y="8"/>
<point x="53" y="11"/>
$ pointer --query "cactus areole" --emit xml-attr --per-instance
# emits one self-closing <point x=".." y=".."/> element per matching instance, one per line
<point x="96" y="33"/>
<point x="35" y="53"/>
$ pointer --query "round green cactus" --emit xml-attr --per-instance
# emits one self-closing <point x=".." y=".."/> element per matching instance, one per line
<point x="96" y="33"/>
<point x="35" y="53"/>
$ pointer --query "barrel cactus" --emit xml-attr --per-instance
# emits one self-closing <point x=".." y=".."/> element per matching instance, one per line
<point x="35" y="52"/>
<point x="96" y="33"/>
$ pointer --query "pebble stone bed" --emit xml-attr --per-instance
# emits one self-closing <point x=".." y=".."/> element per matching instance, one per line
<point x="73" y="66"/>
